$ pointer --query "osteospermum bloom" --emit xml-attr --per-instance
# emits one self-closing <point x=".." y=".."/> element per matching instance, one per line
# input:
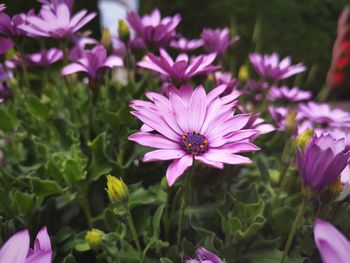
<point x="5" y="45"/>
<point x="322" y="161"/>
<point x="180" y="70"/>
<point x="42" y="58"/>
<point x="52" y="4"/>
<point x="270" y="66"/>
<point x="324" y="115"/>
<point x="94" y="63"/>
<point x="203" y="256"/>
<point x="196" y="126"/>
<point x="184" y="45"/>
<point x="17" y="248"/>
<point x="227" y="79"/>
<point x="291" y="95"/>
<point x="57" y="23"/>
<point x="2" y="7"/>
<point x="10" y="27"/>
<point x="217" y="40"/>
<point x="332" y="245"/>
<point x="5" y="92"/>
<point x="153" y="29"/>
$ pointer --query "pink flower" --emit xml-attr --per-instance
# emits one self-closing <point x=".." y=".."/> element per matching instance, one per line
<point x="57" y="22"/>
<point x="331" y="243"/>
<point x="180" y="70"/>
<point x="291" y="95"/>
<point x="94" y="63"/>
<point x="17" y="250"/>
<point x="184" y="45"/>
<point x="271" y="68"/>
<point x="2" y="7"/>
<point x="217" y="40"/>
<point x="192" y="126"/>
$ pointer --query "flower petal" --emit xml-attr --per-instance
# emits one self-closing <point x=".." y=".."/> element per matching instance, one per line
<point x="177" y="168"/>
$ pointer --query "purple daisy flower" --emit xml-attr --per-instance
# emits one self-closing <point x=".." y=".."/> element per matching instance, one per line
<point x="153" y="29"/>
<point x="258" y="124"/>
<point x="225" y="78"/>
<point x="291" y="95"/>
<point x="203" y="256"/>
<point x="5" y="45"/>
<point x="57" y="23"/>
<point x="322" y="161"/>
<point x="180" y="70"/>
<point x="200" y="126"/>
<point x="43" y="58"/>
<point x="331" y="243"/>
<point x="94" y="63"/>
<point x="52" y="4"/>
<point x="271" y="68"/>
<point x="81" y="44"/>
<point x="10" y="27"/>
<point x="324" y="115"/>
<point x="5" y="92"/>
<point x="17" y="248"/>
<point x="184" y="45"/>
<point x="217" y="40"/>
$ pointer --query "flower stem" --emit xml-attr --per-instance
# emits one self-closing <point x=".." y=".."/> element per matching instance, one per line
<point x="85" y="205"/>
<point x="293" y="231"/>
<point x="133" y="230"/>
<point x="183" y="207"/>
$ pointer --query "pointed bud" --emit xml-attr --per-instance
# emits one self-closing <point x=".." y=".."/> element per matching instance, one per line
<point x="303" y="139"/>
<point x="117" y="190"/>
<point x="243" y="73"/>
<point x="94" y="238"/>
<point x="106" y="38"/>
<point x="123" y="31"/>
<point x="291" y="123"/>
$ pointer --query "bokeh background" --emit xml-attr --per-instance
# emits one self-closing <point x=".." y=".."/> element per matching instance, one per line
<point x="303" y="29"/>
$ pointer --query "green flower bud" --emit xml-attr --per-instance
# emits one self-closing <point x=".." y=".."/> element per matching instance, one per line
<point x="303" y="139"/>
<point x="94" y="238"/>
<point x="117" y="190"/>
<point x="123" y="31"/>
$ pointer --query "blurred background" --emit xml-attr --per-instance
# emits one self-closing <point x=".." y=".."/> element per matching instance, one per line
<point x="303" y="29"/>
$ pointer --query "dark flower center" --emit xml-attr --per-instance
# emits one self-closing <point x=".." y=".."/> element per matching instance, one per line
<point x="194" y="143"/>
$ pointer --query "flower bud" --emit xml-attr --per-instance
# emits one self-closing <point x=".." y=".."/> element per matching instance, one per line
<point x="291" y="123"/>
<point x="303" y="139"/>
<point x="275" y="177"/>
<point x="106" y="38"/>
<point x="332" y="192"/>
<point x="94" y="238"/>
<point x="117" y="190"/>
<point x="243" y="73"/>
<point x="123" y="31"/>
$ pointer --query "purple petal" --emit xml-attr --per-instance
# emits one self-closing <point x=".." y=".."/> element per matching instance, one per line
<point x="163" y="155"/>
<point x="15" y="249"/>
<point x="177" y="168"/>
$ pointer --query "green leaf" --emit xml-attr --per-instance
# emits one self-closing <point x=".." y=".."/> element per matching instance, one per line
<point x="82" y="247"/>
<point x="69" y="259"/>
<point x="272" y="256"/>
<point x="165" y="260"/>
<point x="44" y="188"/>
<point x="24" y="202"/>
<point x="241" y="220"/>
<point x="264" y="173"/>
<point x="36" y="108"/>
<point x="74" y="171"/>
<point x="141" y="197"/>
<point x="282" y="219"/>
<point x="100" y="164"/>
<point x="156" y="221"/>
<point x="8" y="120"/>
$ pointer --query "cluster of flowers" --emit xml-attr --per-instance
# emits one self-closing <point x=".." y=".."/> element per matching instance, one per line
<point x="184" y="123"/>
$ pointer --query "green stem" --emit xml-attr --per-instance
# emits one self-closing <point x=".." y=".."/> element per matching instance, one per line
<point x="182" y="208"/>
<point x="293" y="231"/>
<point x="86" y="206"/>
<point x="133" y="230"/>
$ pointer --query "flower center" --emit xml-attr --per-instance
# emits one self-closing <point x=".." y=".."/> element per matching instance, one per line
<point x="194" y="143"/>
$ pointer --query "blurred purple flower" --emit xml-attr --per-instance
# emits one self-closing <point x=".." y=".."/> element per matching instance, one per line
<point x="10" y="27"/>
<point x="5" y="92"/>
<point x="322" y="162"/>
<point x="324" y="115"/>
<point x="79" y="49"/>
<point x="271" y="68"/>
<point x="153" y="29"/>
<point x="258" y="124"/>
<point x="203" y="256"/>
<point x="331" y="243"/>
<point x="196" y="126"/>
<point x="17" y="248"/>
<point x="43" y="58"/>
<point x="225" y="78"/>
<point x="2" y="7"/>
<point x="5" y="45"/>
<point x="53" y="4"/>
<point x="94" y="63"/>
<point x="290" y="95"/>
<point x="57" y="23"/>
<point x="184" y="45"/>
<point x="217" y="40"/>
<point x="180" y="70"/>
<point x="119" y="48"/>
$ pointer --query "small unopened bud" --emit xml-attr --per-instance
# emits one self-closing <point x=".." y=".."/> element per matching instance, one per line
<point x="303" y="139"/>
<point x="94" y="238"/>
<point x="117" y="190"/>
<point x="275" y="177"/>
<point x="123" y="31"/>
<point x="106" y="38"/>
<point x="291" y="123"/>
<point x="243" y="73"/>
<point x="164" y="183"/>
